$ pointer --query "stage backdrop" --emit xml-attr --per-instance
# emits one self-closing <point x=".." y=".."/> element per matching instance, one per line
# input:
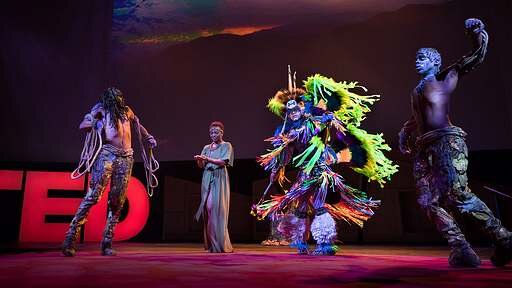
<point x="183" y="64"/>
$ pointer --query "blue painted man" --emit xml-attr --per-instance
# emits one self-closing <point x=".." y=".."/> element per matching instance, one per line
<point x="441" y="155"/>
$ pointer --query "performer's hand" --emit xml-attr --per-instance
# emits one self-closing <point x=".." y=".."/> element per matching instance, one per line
<point x="97" y="124"/>
<point x="200" y="157"/>
<point x="473" y="25"/>
<point x="404" y="149"/>
<point x="402" y="143"/>
<point x="152" y="142"/>
<point x="88" y="117"/>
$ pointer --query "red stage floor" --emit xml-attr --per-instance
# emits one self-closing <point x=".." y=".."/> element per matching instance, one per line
<point x="186" y="265"/>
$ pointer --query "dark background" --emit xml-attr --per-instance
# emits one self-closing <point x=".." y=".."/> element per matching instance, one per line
<point x="56" y="58"/>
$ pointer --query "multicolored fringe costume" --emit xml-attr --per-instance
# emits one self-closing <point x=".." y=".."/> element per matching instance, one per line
<point x="327" y="133"/>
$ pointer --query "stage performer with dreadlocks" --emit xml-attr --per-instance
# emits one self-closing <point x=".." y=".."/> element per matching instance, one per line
<point x="441" y="155"/>
<point x="321" y="128"/>
<point x="109" y="123"/>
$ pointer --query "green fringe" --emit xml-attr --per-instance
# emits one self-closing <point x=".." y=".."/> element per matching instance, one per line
<point x="353" y="107"/>
<point x="276" y="107"/>
<point x="315" y="144"/>
<point x="267" y="204"/>
<point x="378" y="167"/>
<point x="310" y="126"/>
<point x="351" y="112"/>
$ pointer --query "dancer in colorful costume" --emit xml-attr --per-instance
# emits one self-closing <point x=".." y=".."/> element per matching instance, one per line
<point x="321" y="128"/>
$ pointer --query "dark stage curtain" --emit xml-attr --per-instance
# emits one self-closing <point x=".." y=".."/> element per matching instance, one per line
<point x="53" y="65"/>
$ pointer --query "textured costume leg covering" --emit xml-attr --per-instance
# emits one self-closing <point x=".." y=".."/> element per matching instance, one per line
<point x="293" y="227"/>
<point x="469" y="204"/>
<point x="461" y="197"/>
<point x="116" y="199"/>
<point x="323" y="230"/>
<point x="73" y="233"/>
<point x="446" y="225"/>
<point x="464" y="200"/>
<point x="101" y="173"/>
<point x="439" y="175"/>
<point x="432" y="185"/>
<point x="454" y="165"/>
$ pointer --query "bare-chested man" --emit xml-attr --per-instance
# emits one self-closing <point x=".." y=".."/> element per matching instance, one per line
<point x="441" y="155"/>
<point x="114" y="162"/>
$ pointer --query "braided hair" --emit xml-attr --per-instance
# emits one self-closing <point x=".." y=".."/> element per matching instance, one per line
<point x="113" y="103"/>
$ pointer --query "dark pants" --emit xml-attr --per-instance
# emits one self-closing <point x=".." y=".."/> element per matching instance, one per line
<point x="108" y="166"/>
<point x="442" y="183"/>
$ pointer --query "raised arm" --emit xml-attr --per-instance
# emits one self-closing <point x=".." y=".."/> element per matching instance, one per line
<point x="479" y="38"/>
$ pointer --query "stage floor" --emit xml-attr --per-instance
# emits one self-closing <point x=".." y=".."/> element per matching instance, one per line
<point x="251" y="265"/>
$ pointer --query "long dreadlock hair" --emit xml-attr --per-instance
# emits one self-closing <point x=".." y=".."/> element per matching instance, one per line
<point x="113" y="103"/>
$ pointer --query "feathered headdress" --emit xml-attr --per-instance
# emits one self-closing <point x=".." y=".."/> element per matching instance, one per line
<point x="286" y="99"/>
